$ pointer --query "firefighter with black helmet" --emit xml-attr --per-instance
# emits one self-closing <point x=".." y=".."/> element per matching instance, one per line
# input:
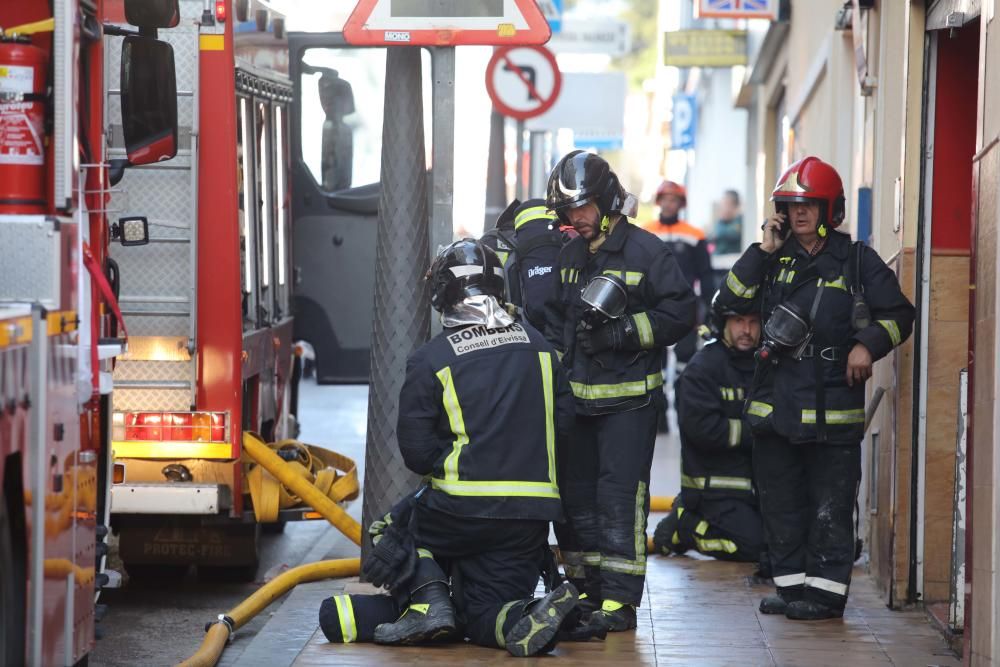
<point x="482" y="411"/>
<point x="829" y="308"/>
<point x="716" y="512"/>
<point x="622" y="300"/>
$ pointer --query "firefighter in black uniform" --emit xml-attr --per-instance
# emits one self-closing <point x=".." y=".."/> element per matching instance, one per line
<point x="481" y="413"/>
<point x="716" y="512"/>
<point x="830" y="308"/>
<point x="614" y="368"/>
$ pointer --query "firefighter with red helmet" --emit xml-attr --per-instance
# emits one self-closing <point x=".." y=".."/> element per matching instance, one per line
<point x="829" y="308"/>
<point x="689" y="245"/>
<point x="687" y="242"/>
<point x="622" y="300"/>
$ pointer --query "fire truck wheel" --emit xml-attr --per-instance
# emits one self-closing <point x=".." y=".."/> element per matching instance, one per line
<point x="12" y="603"/>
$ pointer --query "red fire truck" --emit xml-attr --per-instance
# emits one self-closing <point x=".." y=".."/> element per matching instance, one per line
<point x="56" y="336"/>
<point x="207" y="305"/>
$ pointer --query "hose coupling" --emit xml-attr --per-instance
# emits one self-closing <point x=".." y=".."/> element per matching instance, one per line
<point x="226" y="621"/>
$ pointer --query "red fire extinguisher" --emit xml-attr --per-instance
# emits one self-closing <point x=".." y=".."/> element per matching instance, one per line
<point x="22" y="125"/>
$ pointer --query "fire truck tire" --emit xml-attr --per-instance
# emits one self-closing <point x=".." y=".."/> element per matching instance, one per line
<point x="12" y="592"/>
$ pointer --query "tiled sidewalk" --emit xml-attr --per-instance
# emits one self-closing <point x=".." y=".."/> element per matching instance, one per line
<point x="702" y="613"/>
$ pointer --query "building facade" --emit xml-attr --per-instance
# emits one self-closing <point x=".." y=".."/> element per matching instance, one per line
<point x="903" y="98"/>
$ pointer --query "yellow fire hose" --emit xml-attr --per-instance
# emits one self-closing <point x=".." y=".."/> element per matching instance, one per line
<point x="219" y="633"/>
<point x="286" y="474"/>
<point x="295" y="478"/>
<point x="298" y="481"/>
<point x="661" y="503"/>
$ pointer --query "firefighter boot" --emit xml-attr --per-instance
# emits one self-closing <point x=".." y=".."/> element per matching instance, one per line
<point x="537" y="630"/>
<point x="778" y="603"/>
<point x="773" y="604"/>
<point x="614" y="617"/>
<point x="810" y="610"/>
<point x="587" y="604"/>
<point x="430" y="614"/>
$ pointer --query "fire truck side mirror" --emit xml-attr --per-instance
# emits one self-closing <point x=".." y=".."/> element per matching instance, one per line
<point x="149" y="100"/>
<point x="152" y="13"/>
<point x="133" y="230"/>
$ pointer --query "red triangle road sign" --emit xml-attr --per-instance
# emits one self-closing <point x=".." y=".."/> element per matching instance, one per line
<point x="446" y="23"/>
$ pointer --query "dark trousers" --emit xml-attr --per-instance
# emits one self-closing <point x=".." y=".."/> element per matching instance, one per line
<point x="724" y="528"/>
<point x="494" y="564"/>
<point x="605" y="489"/>
<point x="353" y="618"/>
<point x="807" y="498"/>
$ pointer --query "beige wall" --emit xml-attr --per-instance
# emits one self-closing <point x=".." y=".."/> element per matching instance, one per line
<point x="983" y="482"/>
<point x="985" y="478"/>
<point x="895" y="188"/>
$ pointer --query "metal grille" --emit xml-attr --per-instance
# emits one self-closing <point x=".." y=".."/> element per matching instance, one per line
<point x="155" y="394"/>
<point x="30" y="269"/>
<point x="158" y="281"/>
<point x="402" y="313"/>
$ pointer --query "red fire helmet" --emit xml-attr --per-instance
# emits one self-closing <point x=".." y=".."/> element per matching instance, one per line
<point x="672" y="188"/>
<point x="811" y="179"/>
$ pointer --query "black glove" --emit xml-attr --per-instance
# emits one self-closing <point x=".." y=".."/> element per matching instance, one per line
<point x="399" y="514"/>
<point x="611" y="336"/>
<point x="393" y="560"/>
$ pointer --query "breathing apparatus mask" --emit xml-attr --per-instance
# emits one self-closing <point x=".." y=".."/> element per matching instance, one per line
<point x="785" y="331"/>
<point x="606" y="298"/>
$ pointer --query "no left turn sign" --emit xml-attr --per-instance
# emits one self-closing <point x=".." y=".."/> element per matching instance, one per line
<point x="523" y="81"/>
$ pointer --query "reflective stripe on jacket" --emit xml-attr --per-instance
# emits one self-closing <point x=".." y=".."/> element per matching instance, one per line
<point x="481" y="413"/>
<point x="660" y="302"/>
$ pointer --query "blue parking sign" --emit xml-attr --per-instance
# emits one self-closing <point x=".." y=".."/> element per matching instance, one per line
<point x="552" y="11"/>
<point x="684" y="123"/>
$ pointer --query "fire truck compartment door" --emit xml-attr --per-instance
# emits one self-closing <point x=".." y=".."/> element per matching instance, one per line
<point x="170" y="498"/>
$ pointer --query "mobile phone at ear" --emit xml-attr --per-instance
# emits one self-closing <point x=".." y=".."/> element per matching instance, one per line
<point x="785" y="228"/>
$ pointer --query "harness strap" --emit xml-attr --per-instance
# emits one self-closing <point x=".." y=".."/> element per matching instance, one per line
<point x="818" y="369"/>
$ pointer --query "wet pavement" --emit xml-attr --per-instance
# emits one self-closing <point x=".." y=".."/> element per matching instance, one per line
<point x="695" y="612"/>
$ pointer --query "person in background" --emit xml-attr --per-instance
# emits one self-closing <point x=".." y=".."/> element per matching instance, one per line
<point x="690" y="248"/>
<point x="728" y="232"/>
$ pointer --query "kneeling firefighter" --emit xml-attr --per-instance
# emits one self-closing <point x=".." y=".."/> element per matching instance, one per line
<point x="482" y="411"/>
<point x="716" y="512"/>
<point x="614" y="357"/>
<point x="830" y="308"/>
